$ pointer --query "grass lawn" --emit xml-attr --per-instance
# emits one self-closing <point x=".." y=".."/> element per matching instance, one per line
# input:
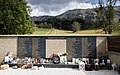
<point x="94" y="31"/>
<point x="41" y="31"/>
<point x="56" y="31"/>
<point x="116" y="33"/>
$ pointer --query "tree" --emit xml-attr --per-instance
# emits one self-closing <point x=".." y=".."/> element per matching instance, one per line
<point x="117" y="26"/>
<point x="50" y="25"/>
<point x="14" y="18"/>
<point x="75" y="27"/>
<point x="106" y="15"/>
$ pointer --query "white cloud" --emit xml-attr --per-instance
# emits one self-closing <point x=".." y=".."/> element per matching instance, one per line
<point x="75" y="5"/>
<point x="36" y="12"/>
<point x="39" y="11"/>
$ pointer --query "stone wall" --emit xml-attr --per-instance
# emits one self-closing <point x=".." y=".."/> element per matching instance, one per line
<point x="76" y="46"/>
<point x="35" y="46"/>
<point x="7" y="44"/>
<point x="101" y="46"/>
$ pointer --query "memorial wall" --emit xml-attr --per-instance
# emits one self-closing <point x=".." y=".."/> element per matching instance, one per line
<point x="38" y="47"/>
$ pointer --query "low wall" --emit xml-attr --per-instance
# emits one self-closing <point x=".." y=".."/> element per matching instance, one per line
<point x="7" y="44"/>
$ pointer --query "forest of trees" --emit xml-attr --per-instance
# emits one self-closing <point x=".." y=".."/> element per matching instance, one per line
<point x="65" y="24"/>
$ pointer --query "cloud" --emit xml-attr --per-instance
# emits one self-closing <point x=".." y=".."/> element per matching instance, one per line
<point x="48" y="2"/>
<point x="56" y="7"/>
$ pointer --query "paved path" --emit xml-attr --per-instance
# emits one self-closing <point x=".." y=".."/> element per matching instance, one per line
<point x="55" y="71"/>
<point x="56" y="31"/>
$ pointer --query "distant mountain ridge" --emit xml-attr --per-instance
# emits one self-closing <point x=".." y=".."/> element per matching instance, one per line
<point x="86" y="14"/>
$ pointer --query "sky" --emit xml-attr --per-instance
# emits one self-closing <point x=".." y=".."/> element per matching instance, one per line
<point x="57" y="7"/>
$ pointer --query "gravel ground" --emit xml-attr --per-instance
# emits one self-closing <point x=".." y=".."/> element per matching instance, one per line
<point x="55" y="71"/>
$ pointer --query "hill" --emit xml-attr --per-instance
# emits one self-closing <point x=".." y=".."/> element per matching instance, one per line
<point x="87" y="14"/>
